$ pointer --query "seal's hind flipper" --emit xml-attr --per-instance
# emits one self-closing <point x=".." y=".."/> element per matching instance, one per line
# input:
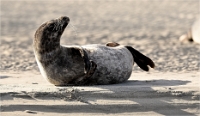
<point x="141" y="60"/>
<point x="112" y="44"/>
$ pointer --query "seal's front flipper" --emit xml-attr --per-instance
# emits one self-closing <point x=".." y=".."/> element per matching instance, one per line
<point x="92" y="69"/>
<point x="89" y="69"/>
<point x="86" y="80"/>
<point x="112" y="44"/>
<point x="90" y="66"/>
<point x="82" y="54"/>
<point x="141" y="60"/>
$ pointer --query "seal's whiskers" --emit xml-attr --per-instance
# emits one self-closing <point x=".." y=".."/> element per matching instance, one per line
<point x="73" y="28"/>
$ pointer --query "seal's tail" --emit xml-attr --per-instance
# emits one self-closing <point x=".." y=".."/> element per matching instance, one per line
<point x="141" y="60"/>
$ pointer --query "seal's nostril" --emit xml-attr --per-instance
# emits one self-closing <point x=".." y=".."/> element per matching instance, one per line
<point x="64" y="18"/>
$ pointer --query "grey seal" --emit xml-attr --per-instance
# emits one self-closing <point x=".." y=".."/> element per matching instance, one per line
<point x="93" y="64"/>
<point x="193" y="35"/>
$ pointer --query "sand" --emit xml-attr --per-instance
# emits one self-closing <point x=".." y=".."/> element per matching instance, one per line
<point x="152" y="27"/>
<point x="173" y="94"/>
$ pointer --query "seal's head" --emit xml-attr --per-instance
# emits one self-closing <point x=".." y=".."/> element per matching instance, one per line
<point x="52" y="29"/>
<point x="48" y="34"/>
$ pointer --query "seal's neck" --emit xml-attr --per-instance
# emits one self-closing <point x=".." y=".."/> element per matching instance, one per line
<point x="43" y="46"/>
<point x="47" y="38"/>
<point x="46" y="48"/>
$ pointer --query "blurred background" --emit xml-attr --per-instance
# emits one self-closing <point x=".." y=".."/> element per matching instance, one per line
<point x="150" y="26"/>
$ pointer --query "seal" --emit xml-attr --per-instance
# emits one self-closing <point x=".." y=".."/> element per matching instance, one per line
<point x="92" y="64"/>
<point x="193" y="35"/>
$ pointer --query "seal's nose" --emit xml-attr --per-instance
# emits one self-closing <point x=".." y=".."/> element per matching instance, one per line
<point x="64" y="18"/>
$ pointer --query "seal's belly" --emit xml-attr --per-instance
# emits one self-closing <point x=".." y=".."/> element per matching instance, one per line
<point x="114" y="64"/>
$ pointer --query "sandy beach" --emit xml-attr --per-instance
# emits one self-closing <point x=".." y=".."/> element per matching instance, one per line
<point x="153" y="27"/>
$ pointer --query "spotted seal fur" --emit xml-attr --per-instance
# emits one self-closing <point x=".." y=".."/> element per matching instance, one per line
<point x="91" y="64"/>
